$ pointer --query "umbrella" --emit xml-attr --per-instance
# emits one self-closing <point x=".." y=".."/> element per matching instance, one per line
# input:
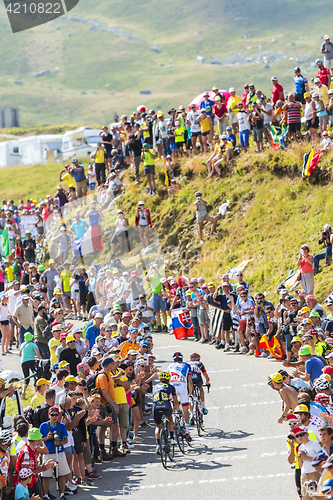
<point x="197" y="100"/>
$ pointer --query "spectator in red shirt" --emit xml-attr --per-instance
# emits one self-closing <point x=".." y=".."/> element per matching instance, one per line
<point x="324" y="74"/>
<point x="277" y="91"/>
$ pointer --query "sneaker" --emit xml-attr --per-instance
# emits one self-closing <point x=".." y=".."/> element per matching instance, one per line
<point x="236" y="348"/>
<point x="52" y="497"/>
<point x="219" y="345"/>
<point x="227" y="348"/>
<point x="201" y="340"/>
<point x="250" y="353"/>
<point x="70" y="486"/>
<point x="212" y="341"/>
<point x="97" y="460"/>
<point x="86" y="482"/>
<point x="243" y="349"/>
<point x="205" y="341"/>
<point x="188" y="437"/>
<point x="204" y="411"/>
<point x="94" y="475"/>
<point x="173" y="441"/>
<point x="125" y="449"/>
<point x="263" y="355"/>
<point x="214" y="233"/>
<point x="129" y="445"/>
<point x="67" y="492"/>
<point x="46" y="497"/>
<point x="196" y="340"/>
<point x="257" y="354"/>
<point x="62" y="496"/>
<point x="78" y="481"/>
<point x="137" y="439"/>
<point x="158" y="450"/>
<point x="270" y="356"/>
<point x="144" y="424"/>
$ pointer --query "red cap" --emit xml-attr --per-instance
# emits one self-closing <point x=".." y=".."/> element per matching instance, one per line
<point x="312" y="332"/>
<point x="327" y="370"/>
<point x="54" y="409"/>
<point x="134" y="273"/>
<point x="291" y="418"/>
<point x="301" y="428"/>
<point x="63" y="336"/>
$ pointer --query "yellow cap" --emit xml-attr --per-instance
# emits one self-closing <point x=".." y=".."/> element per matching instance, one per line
<point x="51" y="261"/>
<point x="70" y="338"/>
<point x="295" y="339"/>
<point x="305" y="310"/>
<point x="70" y="378"/>
<point x="277" y="378"/>
<point x="301" y="409"/>
<point x="307" y="94"/>
<point x="63" y="363"/>
<point x="42" y="381"/>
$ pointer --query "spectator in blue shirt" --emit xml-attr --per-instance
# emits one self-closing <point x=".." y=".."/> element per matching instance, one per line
<point x="55" y="435"/>
<point x="301" y="85"/>
<point x="207" y="104"/>
<point x="79" y="226"/>
<point x="77" y="171"/>
<point x="231" y="136"/>
<point x="94" y="330"/>
<point x="313" y="365"/>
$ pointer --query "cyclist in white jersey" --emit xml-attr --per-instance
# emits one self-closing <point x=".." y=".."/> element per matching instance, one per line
<point x="181" y="379"/>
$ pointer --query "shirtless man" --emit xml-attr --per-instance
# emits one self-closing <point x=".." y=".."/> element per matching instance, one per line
<point x="288" y="395"/>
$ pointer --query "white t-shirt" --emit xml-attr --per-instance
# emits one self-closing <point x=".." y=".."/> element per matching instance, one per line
<point x="326" y="143"/>
<point x="57" y="281"/>
<point x="193" y="118"/>
<point x="4" y="310"/>
<point x="243" y="122"/>
<point x="311" y="448"/>
<point x="146" y="313"/>
<point x="12" y="299"/>
<point x="162" y="127"/>
<point x="267" y="118"/>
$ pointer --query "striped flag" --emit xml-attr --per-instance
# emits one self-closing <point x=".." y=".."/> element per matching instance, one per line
<point x="91" y="241"/>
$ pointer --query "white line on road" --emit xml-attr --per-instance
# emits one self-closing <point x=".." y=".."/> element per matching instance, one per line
<point x="219" y="480"/>
<point x="224" y="371"/>
<point x="220" y="388"/>
<point x="253" y="404"/>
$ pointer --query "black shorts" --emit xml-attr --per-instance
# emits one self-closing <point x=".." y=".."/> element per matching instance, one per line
<point x="310" y="124"/>
<point x="160" y="409"/>
<point x="300" y="98"/>
<point x="197" y="380"/>
<point x="108" y="154"/>
<point x="179" y="144"/>
<point x="293" y="127"/>
<point x="78" y="447"/>
<point x="226" y="322"/>
<point x="4" y="323"/>
<point x="195" y="134"/>
<point x="83" y="298"/>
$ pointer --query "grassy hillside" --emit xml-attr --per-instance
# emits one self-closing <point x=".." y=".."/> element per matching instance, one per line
<point x="272" y="212"/>
<point x="95" y="69"/>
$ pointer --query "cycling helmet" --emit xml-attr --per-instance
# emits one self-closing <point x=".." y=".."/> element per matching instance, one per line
<point x="322" y="398"/>
<point x="164" y="376"/>
<point x="297" y="69"/>
<point x="319" y="61"/>
<point x="5" y="436"/>
<point x="321" y="384"/>
<point x="194" y="356"/>
<point x="177" y="355"/>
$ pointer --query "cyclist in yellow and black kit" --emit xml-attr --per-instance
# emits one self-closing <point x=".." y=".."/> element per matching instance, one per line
<point x="162" y="394"/>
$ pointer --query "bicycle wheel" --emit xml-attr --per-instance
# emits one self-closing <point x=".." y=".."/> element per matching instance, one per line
<point x="171" y="450"/>
<point x="179" y="436"/>
<point x="164" y="448"/>
<point x="198" y="418"/>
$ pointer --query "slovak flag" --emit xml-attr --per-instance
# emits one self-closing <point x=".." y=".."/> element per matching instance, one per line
<point x="181" y="323"/>
<point x="91" y="241"/>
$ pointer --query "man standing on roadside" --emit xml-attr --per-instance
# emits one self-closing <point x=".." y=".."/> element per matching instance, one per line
<point x="79" y="176"/>
<point x="105" y="384"/>
<point x="47" y="278"/>
<point x="24" y="317"/>
<point x="154" y="278"/>
<point x="327" y="50"/>
<point x="277" y="91"/>
<point x="99" y="157"/>
<point x="107" y="142"/>
<point x="323" y="74"/>
<point x="39" y="326"/>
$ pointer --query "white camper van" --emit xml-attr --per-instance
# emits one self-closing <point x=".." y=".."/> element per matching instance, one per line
<point x="30" y="150"/>
<point x="79" y="142"/>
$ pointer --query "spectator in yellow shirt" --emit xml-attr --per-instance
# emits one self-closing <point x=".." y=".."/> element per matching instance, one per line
<point x="99" y="156"/>
<point x="232" y="109"/>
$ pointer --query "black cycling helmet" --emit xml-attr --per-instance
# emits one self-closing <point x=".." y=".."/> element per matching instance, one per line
<point x="177" y="355"/>
<point x="297" y="69"/>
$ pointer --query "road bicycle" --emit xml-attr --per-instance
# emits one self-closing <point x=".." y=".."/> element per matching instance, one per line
<point x="167" y="450"/>
<point x="198" y="414"/>
<point x="180" y="429"/>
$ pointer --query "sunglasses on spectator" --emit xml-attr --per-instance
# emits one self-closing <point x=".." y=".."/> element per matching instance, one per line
<point x="243" y="294"/>
<point x="53" y="414"/>
<point x="71" y="342"/>
<point x="269" y="309"/>
<point x="300" y="434"/>
<point x="204" y="288"/>
<point x="246" y="87"/>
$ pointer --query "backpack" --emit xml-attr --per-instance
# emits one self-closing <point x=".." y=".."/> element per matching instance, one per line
<point x="91" y="381"/>
<point x="47" y="333"/>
